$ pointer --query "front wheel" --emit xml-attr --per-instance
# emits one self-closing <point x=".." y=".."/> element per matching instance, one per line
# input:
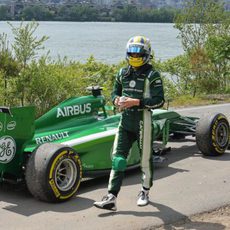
<point x="53" y="172"/>
<point x="212" y="134"/>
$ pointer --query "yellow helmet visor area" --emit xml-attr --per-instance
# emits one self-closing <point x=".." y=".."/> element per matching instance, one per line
<point x="136" y="61"/>
<point x="138" y="51"/>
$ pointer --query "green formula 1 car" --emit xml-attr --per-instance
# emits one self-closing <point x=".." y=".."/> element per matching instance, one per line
<point x="75" y="139"/>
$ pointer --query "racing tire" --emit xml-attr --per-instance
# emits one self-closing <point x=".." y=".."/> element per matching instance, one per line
<point x="53" y="172"/>
<point x="212" y="134"/>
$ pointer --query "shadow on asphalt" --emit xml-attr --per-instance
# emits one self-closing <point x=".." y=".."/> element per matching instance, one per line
<point x="163" y="212"/>
<point x="19" y="200"/>
<point x="167" y="214"/>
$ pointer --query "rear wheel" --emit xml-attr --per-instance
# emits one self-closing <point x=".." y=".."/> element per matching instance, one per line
<point x="53" y="172"/>
<point x="212" y="134"/>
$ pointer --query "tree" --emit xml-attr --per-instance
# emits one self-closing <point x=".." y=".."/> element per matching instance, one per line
<point x="131" y="13"/>
<point x="63" y="14"/>
<point x="127" y="14"/>
<point x="177" y="68"/>
<point x="83" y="13"/>
<point x="26" y="47"/>
<point x="4" y="13"/>
<point x="200" y="21"/>
<point x="39" y="13"/>
<point x="9" y="67"/>
<point x="218" y="51"/>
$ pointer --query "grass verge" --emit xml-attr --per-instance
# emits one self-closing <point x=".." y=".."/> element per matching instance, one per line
<point x="188" y="100"/>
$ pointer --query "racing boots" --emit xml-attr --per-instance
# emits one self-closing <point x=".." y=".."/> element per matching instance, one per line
<point x="143" y="198"/>
<point x="108" y="202"/>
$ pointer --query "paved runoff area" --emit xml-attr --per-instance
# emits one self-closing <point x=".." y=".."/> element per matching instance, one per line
<point x="186" y="184"/>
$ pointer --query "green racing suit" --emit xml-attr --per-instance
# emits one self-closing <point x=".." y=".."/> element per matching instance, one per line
<point x="145" y="84"/>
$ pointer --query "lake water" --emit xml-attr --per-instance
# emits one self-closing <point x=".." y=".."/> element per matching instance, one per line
<point x="106" y="41"/>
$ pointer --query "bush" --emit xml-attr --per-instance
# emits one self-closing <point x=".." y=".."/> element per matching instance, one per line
<point x="45" y="83"/>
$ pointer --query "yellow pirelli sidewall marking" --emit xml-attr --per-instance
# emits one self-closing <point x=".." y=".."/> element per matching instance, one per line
<point x="54" y="188"/>
<point x="217" y="148"/>
<point x="221" y="117"/>
<point x="71" y="194"/>
<point x="52" y="183"/>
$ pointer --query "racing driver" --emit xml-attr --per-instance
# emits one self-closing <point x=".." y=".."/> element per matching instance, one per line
<point x="137" y="89"/>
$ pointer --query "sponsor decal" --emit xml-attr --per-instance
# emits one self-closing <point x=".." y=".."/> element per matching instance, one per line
<point x="140" y="79"/>
<point x="158" y="81"/>
<point x="7" y="149"/>
<point x="141" y="125"/>
<point x="74" y="110"/>
<point x="1" y="126"/>
<point x="132" y="84"/>
<point x="88" y="166"/>
<point x="51" y="137"/>
<point x="133" y="90"/>
<point x="11" y="125"/>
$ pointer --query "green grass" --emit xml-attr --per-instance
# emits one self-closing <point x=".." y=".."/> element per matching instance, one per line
<point x="188" y="100"/>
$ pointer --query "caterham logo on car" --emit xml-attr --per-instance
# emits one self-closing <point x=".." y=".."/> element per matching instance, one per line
<point x="11" y="125"/>
<point x="7" y="149"/>
<point x="68" y="111"/>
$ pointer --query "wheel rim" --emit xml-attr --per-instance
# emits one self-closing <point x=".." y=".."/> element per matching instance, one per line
<point x="65" y="174"/>
<point x="222" y="134"/>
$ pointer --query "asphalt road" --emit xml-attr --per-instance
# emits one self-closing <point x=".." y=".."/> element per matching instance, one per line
<point x="189" y="183"/>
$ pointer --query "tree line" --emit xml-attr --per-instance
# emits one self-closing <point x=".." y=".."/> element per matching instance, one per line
<point x="128" y="13"/>
<point x="203" y="69"/>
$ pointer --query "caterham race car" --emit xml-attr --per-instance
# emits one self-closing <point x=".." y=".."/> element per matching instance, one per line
<point x="75" y="139"/>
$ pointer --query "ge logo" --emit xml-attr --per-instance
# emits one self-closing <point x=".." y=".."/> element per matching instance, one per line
<point x="132" y="84"/>
<point x="7" y="149"/>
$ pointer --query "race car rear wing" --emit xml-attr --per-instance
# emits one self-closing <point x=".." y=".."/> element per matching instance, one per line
<point x="16" y="128"/>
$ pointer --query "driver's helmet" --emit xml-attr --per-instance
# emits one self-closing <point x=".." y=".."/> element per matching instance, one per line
<point x="138" y="51"/>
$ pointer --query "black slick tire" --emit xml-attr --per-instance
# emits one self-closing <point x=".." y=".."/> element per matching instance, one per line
<point x="53" y="172"/>
<point x="212" y="134"/>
